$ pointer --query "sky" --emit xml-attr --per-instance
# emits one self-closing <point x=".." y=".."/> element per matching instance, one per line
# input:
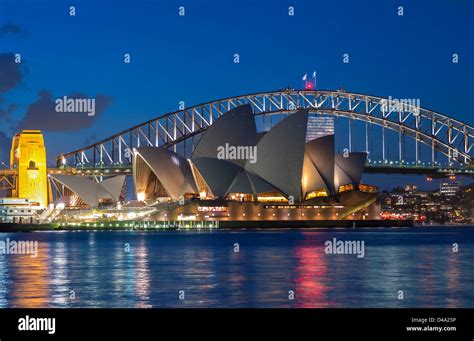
<point x="190" y="58"/>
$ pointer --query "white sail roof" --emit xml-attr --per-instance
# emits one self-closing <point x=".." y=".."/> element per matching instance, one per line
<point x="171" y="170"/>
<point x="281" y="153"/>
<point x="90" y="191"/>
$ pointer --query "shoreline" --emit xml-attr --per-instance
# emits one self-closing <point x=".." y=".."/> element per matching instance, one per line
<point x="222" y="225"/>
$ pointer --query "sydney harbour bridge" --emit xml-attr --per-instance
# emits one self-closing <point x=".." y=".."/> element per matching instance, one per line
<point x="404" y="139"/>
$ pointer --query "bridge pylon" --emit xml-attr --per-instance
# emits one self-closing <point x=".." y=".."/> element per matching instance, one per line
<point x="28" y="159"/>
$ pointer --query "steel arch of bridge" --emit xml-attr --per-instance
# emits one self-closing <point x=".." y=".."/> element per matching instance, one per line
<point x="441" y="133"/>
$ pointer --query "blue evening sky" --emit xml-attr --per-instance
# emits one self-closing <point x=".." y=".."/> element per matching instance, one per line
<point x="190" y="58"/>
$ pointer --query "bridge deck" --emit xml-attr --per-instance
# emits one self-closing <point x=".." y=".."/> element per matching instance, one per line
<point x="429" y="170"/>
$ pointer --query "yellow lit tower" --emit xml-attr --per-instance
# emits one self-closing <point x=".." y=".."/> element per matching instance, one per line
<point x="28" y="156"/>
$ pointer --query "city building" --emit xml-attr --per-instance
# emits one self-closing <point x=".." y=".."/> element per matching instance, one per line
<point x="319" y="126"/>
<point x="428" y="206"/>
<point x="410" y="188"/>
<point x="449" y="188"/>
<point x="237" y="173"/>
<point x="16" y="210"/>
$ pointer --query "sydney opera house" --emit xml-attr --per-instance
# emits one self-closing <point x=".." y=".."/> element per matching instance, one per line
<point x="239" y="174"/>
<point x="82" y="192"/>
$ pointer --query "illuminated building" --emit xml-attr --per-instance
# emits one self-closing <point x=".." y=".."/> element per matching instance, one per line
<point x="289" y="178"/>
<point x="28" y="156"/>
<point x="160" y="173"/>
<point x="449" y="188"/>
<point x="16" y="210"/>
<point x="76" y="191"/>
<point x="319" y="126"/>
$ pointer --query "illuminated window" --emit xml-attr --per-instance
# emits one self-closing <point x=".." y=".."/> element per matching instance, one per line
<point x="141" y="196"/>
<point x="271" y="197"/>
<point x="317" y="193"/>
<point x="212" y="209"/>
<point x="368" y="188"/>
<point x="240" y="197"/>
<point x="345" y="188"/>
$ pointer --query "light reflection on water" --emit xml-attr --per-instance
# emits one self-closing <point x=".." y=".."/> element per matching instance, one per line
<point x="142" y="270"/>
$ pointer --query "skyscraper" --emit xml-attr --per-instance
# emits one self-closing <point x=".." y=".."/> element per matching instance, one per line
<point x="319" y="126"/>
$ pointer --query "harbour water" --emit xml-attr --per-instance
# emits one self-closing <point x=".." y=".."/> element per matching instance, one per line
<point x="400" y="267"/>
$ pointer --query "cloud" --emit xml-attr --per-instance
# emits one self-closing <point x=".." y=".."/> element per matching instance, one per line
<point x="9" y="29"/>
<point x="10" y="72"/>
<point x="5" y="112"/>
<point x="42" y="114"/>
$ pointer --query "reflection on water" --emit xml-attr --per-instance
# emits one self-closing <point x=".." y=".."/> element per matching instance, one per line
<point x="156" y="269"/>
<point x="31" y="279"/>
<point x="310" y="274"/>
<point x="142" y="276"/>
